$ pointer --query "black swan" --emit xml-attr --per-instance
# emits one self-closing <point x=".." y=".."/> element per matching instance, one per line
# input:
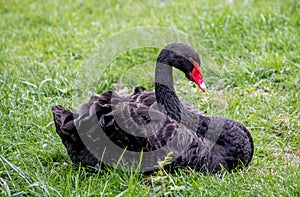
<point x="154" y="121"/>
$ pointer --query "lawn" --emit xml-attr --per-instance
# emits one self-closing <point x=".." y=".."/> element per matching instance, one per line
<point x="251" y="64"/>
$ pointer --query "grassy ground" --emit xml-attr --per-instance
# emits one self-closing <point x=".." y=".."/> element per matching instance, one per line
<point x="256" y="49"/>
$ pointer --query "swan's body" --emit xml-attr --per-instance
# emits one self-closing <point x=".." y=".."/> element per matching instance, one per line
<point x="151" y="121"/>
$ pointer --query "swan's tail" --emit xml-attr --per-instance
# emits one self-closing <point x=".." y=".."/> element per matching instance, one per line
<point x="64" y="123"/>
<point x="66" y="129"/>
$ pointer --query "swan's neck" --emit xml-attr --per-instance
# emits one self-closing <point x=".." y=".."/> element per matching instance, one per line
<point x="165" y="92"/>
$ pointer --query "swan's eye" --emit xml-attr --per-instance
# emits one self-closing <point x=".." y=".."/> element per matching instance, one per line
<point x="196" y="75"/>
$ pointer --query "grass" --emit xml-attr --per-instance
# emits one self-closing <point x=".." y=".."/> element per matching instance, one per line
<point x="254" y="45"/>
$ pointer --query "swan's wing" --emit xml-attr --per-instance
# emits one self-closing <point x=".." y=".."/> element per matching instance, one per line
<point x="133" y="126"/>
<point x="140" y="120"/>
<point x="126" y="121"/>
<point x="144" y="98"/>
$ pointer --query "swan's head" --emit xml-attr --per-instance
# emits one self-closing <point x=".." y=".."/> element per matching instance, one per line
<point x="184" y="58"/>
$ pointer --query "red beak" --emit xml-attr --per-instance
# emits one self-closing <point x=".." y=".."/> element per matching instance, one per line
<point x="196" y="75"/>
